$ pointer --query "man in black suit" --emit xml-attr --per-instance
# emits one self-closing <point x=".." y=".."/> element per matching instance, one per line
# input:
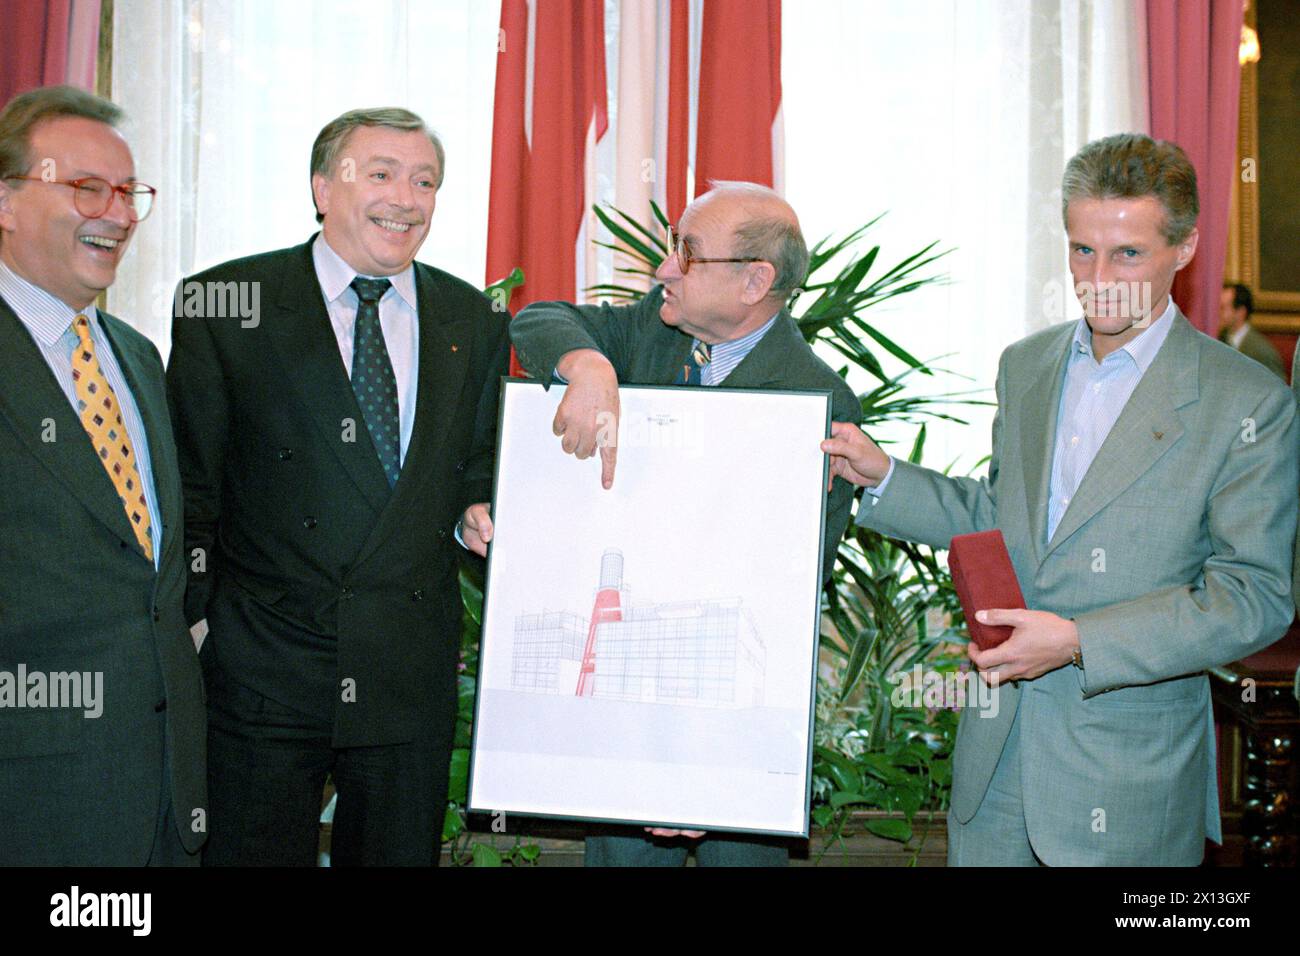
<point x="101" y="697"/>
<point x="330" y="436"/>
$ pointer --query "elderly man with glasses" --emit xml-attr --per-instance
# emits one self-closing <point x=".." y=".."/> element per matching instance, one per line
<point x="101" y="703"/>
<point x="717" y="317"/>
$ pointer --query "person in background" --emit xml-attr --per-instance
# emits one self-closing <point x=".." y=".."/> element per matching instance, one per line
<point x="1236" y="305"/>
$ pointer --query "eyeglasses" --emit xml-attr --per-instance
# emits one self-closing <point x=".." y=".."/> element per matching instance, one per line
<point x="679" y="247"/>
<point x="93" y="196"/>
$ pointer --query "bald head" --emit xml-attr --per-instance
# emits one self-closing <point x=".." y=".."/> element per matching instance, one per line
<point x="765" y="227"/>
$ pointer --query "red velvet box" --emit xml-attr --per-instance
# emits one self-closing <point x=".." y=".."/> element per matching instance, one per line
<point x="984" y="578"/>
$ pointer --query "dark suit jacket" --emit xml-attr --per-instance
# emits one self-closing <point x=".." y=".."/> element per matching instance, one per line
<point x="644" y="351"/>
<point x="76" y="594"/>
<point x="324" y="590"/>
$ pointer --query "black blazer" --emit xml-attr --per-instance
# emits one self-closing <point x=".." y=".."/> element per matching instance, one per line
<point x="324" y="590"/>
<point x="77" y="594"/>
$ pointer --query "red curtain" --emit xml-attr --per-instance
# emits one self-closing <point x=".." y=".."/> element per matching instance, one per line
<point x="36" y="45"/>
<point x="1194" y="80"/>
<point x="536" y="201"/>
<point x="47" y="42"/>
<point x="740" y="91"/>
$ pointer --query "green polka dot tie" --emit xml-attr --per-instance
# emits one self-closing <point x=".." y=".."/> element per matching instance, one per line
<point x="373" y="379"/>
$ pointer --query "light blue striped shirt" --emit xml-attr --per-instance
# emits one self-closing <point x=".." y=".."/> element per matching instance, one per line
<point x="49" y="320"/>
<point x="725" y="356"/>
<point x="1092" y="397"/>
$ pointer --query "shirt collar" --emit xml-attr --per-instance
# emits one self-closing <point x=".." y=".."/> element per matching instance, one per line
<point x="1236" y="338"/>
<point x="336" y="275"/>
<point x="741" y="346"/>
<point x="1142" y="349"/>
<point x="46" y="316"/>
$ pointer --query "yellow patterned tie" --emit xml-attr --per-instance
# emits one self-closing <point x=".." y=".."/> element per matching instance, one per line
<point x="102" y="419"/>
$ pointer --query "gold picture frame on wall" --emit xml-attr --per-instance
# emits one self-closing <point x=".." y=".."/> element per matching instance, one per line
<point x="1264" y="250"/>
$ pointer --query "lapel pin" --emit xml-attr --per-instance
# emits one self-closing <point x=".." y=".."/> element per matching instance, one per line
<point x="455" y="348"/>
<point x="1159" y="435"/>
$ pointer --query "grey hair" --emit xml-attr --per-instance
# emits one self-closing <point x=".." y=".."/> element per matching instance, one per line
<point x="1131" y="166"/>
<point x="329" y="141"/>
<point x="770" y="239"/>
<point x="25" y="111"/>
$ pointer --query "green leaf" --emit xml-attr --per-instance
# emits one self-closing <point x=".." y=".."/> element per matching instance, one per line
<point x="890" y="829"/>
<point x="941" y="772"/>
<point x="508" y="284"/>
<point x="823" y="815"/>
<point x="530" y="851"/>
<point x="452" y="824"/>
<point x="659" y="214"/>
<point x="485" y="855"/>
<point x="846" y="799"/>
<point x="458" y="782"/>
<point x="634" y="245"/>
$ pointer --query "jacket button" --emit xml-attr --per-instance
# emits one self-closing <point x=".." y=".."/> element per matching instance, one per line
<point x="347" y="592"/>
<point x="286" y="454"/>
<point x="460" y="466"/>
<point x="417" y="594"/>
<point x="159" y="707"/>
<point x="157" y="616"/>
<point x="442" y="534"/>
<point x="309" y="522"/>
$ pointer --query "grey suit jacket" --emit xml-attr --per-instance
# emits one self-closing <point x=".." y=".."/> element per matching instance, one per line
<point x="77" y="594"/>
<point x="644" y="351"/>
<point x="1172" y="557"/>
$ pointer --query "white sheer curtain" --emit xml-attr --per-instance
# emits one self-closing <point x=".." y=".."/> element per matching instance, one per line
<point x="226" y="96"/>
<point x="957" y="117"/>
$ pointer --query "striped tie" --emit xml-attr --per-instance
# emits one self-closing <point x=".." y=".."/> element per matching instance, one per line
<point x="102" y="418"/>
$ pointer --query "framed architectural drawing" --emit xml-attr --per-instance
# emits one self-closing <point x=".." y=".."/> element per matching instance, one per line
<point x="649" y="651"/>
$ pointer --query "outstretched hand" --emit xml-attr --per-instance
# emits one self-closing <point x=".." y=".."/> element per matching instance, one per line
<point x="587" y="419"/>
<point x="855" y="457"/>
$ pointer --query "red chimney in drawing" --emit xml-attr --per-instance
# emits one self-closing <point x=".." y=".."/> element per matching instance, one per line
<point x="606" y="608"/>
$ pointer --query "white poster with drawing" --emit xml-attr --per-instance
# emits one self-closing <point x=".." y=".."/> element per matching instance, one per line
<point x="648" y="651"/>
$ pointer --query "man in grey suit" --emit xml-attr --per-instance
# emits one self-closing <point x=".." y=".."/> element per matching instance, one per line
<point x="1144" y="477"/>
<point x="101" y="701"/>
<point x="718" y="317"/>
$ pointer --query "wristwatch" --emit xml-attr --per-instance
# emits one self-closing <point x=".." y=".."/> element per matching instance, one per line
<point x="1077" y="657"/>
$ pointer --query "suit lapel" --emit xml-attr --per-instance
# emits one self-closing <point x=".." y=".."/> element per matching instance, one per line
<point x="764" y="364"/>
<point x="1146" y="429"/>
<point x="151" y="402"/>
<point x="304" y="338"/>
<point x="442" y="362"/>
<point x="1039" y="407"/>
<point x="33" y="398"/>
